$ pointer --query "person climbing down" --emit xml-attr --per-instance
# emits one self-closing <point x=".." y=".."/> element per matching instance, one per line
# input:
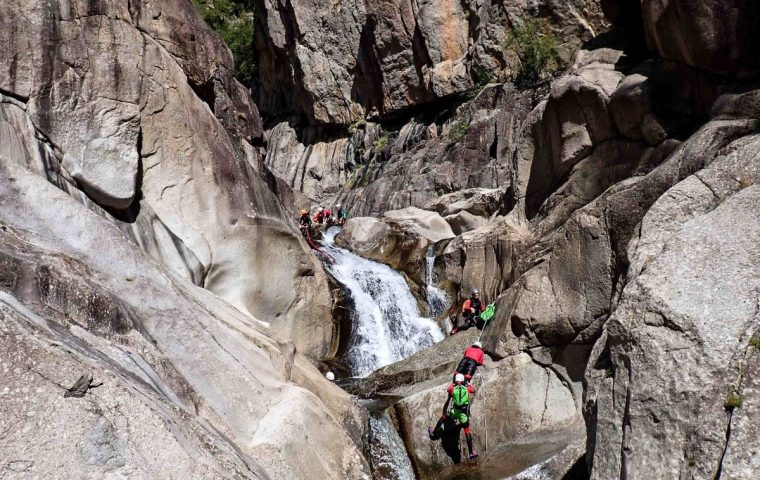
<point x="460" y="397"/>
<point x="304" y="223"/>
<point x="341" y="215"/>
<point x="472" y="359"/>
<point x="471" y="310"/>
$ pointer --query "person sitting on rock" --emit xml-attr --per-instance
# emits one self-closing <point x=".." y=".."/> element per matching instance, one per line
<point x="341" y="215"/>
<point x="472" y="359"/>
<point x="471" y="310"/>
<point x="460" y="397"/>
<point x="304" y="223"/>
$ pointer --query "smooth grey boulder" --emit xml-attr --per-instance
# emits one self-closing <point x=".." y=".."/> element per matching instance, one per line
<point x="173" y="352"/>
<point x="131" y="107"/>
<point x="400" y="238"/>
<point x="481" y="202"/>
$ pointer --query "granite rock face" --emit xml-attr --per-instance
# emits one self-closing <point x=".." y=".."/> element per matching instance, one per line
<point x="400" y="239"/>
<point x="134" y="104"/>
<point x="78" y="296"/>
<point x="376" y="59"/>
<point x="677" y="346"/>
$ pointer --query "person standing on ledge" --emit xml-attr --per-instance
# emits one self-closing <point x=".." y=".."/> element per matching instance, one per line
<point x="341" y="214"/>
<point x="304" y="223"/>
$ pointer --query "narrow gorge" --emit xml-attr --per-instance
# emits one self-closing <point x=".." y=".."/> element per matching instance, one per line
<point x="589" y="167"/>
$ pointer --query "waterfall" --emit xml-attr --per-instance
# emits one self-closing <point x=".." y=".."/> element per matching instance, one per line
<point x="387" y="324"/>
<point x="436" y="297"/>
<point x="386" y="450"/>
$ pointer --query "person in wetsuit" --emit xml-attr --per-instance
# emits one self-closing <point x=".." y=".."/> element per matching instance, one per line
<point x="460" y="398"/>
<point x="304" y="223"/>
<point x="472" y="359"/>
<point x="471" y="310"/>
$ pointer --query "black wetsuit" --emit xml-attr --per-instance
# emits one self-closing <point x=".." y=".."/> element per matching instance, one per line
<point x="304" y="224"/>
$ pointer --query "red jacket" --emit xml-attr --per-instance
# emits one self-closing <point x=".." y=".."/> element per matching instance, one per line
<point x="322" y="216"/>
<point x="468" y="305"/>
<point x="474" y="353"/>
<point x="470" y="389"/>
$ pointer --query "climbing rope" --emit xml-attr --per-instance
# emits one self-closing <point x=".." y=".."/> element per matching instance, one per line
<point x="322" y="254"/>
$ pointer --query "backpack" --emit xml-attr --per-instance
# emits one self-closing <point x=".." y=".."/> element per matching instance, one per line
<point x="461" y="396"/>
<point x="488" y="313"/>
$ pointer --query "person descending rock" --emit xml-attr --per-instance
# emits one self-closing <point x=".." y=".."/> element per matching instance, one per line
<point x="471" y="310"/>
<point x="473" y="358"/>
<point x="304" y="223"/>
<point x="341" y="215"/>
<point x="460" y="398"/>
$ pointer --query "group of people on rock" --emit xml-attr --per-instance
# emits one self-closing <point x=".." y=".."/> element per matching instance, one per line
<point x="324" y="216"/>
<point x="456" y="411"/>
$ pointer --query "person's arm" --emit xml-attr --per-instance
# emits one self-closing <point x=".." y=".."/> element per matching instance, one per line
<point x="466" y="305"/>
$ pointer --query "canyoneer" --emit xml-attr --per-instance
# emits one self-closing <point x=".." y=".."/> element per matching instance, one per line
<point x="322" y="215"/>
<point x="472" y="359"/>
<point x="341" y="215"/>
<point x="460" y="399"/>
<point x="304" y="223"/>
<point x="471" y="311"/>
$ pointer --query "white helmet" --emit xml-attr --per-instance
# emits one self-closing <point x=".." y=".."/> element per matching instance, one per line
<point x="474" y="291"/>
<point x="330" y="376"/>
<point x="321" y="208"/>
<point x="337" y="205"/>
<point x="459" y="378"/>
<point x="477" y="344"/>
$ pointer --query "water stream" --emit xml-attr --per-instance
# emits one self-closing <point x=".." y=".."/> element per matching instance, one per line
<point x="387" y="324"/>
<point x="437" y="300"/>
<point x="387" y="451"/>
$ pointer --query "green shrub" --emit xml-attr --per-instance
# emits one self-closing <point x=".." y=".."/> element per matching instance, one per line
<point x="733" y="400"/>
<point x="457" y="131"/>
<point x="535" y="45"/>
<point x="381" y="143"/>
<point x="483" y="76"/>
<point x="356" y="126"/>
<point x="233" y="21"/>
<point x="755" y="342"/>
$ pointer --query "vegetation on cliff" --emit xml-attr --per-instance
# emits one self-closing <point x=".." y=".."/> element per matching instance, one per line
<point x="233" y="21"/>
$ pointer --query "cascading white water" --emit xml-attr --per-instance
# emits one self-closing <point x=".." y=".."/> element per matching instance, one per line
<point x="388" y="326"/>
<point x="437" y="300"/>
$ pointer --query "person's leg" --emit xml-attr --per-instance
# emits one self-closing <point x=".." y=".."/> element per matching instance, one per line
<point x="435" y="433"/>
<point x="472" y="367"/>
<point x="468" y="437"/>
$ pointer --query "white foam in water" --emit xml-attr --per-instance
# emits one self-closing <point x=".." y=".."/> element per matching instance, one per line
<point x="437" y="300"/>
<point x="388" y="326"/>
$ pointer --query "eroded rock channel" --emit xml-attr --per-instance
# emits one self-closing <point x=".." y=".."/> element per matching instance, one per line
<point x="590" y="167"/>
